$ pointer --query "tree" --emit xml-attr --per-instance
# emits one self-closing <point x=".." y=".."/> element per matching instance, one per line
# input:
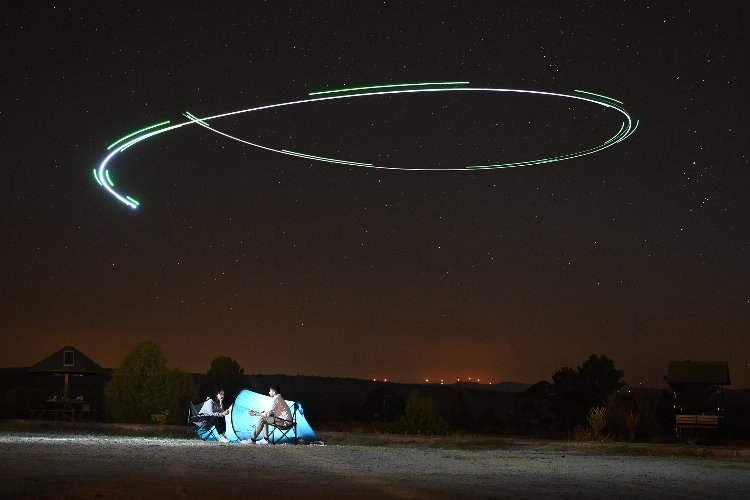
<point x="181" y="391"/>
<point x="599" y="378"/>
<point x="383" y="403"/>
<point x="459" y="414"/>
<point x="586" y="387"/>
<point x="227" y="374"/>
<point x="566" y="380"/>
<point x="420" y="418"/>
<point x="143" y="386"/>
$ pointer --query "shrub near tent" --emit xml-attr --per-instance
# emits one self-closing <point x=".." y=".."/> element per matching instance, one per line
<point x="142" y="387"/>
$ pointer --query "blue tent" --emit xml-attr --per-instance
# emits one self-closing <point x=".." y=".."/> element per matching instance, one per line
<point x="240" y="425"/>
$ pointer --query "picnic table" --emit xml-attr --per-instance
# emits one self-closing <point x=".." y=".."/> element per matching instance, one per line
<point x="65" y="410"/>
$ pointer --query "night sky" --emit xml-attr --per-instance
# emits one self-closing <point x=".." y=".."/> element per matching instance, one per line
<point x="288" y="265"/>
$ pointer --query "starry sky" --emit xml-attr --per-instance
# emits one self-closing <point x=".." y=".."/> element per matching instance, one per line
<point x="290" y="265"/>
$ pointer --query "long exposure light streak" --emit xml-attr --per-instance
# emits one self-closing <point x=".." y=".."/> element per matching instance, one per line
<point x="599" y="95"/>
<point x="627" y="128"/>
<point x="391" y="86"/>
<point x="118" y="141"/>
<point x="96" y="177"/>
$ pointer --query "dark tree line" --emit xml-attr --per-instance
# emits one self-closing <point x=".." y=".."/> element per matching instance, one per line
<point x="144" y="390"/>
<point x="586" y="387"/>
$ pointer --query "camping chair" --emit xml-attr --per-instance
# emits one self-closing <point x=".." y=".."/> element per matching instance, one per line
<point x="200" y="424"/>
<point x="285" y="427"/>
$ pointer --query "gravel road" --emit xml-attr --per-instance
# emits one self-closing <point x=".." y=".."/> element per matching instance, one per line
<point x="87" y="466"/>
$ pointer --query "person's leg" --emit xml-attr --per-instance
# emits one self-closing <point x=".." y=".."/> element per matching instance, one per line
<point x="268" y="420"/>
<point x="216" y="422"/>
<point x="221" y="425"/>
<point x="260" y="427"/>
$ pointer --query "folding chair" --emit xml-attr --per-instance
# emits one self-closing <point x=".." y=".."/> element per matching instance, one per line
<point x="284" y="427"/>
<point x="200" y="424"/>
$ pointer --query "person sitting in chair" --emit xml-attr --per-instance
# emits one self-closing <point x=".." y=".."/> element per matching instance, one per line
<point x="213" y="410"/>
<point x="278" y="414"/>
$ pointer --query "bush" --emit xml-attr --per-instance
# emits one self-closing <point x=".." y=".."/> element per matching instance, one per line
<point x="597" y="421"/>
<point x="631" y="424"/>
<point x="160" y="418"/>
<point x="142" y="386"/>
<point x="225" y="373"/>
<point x="420" y="418"/>
<point x="384" y="404"/>
<point x="632" y="414"/>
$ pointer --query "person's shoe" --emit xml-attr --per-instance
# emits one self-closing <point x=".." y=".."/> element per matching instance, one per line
<point x="261" y="441"/>
<point x="247" y="441"/>
<point x="223" y="439"/>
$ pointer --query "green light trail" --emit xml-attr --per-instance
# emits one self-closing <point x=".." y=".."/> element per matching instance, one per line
<point x="323" y="158"/>
<point x="194" y="118"/>
<point x="618" y="136"/>
<point x="637" y="122"/>
<point x="599" y="95"/>
<point x="118" y="141"/>
<point x="627" y="128"/>
<point x="353" y="89"/>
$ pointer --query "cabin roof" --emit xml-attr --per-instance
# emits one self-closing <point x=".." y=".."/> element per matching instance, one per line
<point x="698" y="372"/>
<point x="67" y="360"/>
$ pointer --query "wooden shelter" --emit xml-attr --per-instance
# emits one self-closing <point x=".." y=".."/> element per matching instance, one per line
<point x="67" y="361"/>
<point x="698" y="392"/>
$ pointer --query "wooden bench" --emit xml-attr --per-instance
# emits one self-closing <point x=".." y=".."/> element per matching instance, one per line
<point x="67" y="415"/>
<point x="696" y="422"/>
<point x="63" y="414"/>
<point x="34" y="414"/>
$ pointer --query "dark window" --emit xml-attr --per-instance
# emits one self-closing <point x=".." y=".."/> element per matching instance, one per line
<point x="69" y="358"/>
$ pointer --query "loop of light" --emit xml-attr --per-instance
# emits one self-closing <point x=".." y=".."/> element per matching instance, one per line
<point x="103" y="177"/>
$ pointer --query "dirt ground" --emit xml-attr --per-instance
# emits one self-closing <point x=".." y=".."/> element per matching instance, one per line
<point x="80" y="465"/>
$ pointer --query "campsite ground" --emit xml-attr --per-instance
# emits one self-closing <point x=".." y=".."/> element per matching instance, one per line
<point x="65" y="462"/>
